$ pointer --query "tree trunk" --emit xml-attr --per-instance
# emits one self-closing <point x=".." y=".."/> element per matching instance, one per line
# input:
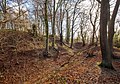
<point x="105" y="49"/>
<point x="93" y="35"/>
<point x="83" y="39"/>
<point x="61" y="21"/>
<point x="72" y="34"/>
<point x="53" y="27"/>
<point x="67" y="28"/>
<point x="111" y="26"/>
<point x="47" y="29"/>
<point x="73" y="21"/>
<point x="93" y="21"/>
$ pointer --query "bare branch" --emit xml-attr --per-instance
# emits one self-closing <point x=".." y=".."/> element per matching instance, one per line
<point x="98" y="1"/>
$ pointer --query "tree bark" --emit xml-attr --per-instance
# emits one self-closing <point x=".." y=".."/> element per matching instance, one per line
<point x="111" y="26"/>
<point x="93" y="21"/>
<point x="82" y="35"/>
<point x="105" y="49"/>
<point x="93" y="35"/>
<point x="47" y="29"/>
<point x="73" y="21"/>
<point x="61" y="22"/>
<point x="53" y="27"/>
<point x="67" y="28"/>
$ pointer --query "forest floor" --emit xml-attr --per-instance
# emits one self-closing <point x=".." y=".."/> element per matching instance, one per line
<point x="21" y="62"/>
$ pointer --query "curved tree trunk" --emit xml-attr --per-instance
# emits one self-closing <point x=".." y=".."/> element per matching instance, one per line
<point x="111" y="26"/>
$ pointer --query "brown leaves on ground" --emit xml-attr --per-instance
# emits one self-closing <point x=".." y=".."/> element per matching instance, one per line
<point x="27" y="65"/>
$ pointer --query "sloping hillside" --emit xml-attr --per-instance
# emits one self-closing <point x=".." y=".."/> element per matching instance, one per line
<point x="21" y="62"/>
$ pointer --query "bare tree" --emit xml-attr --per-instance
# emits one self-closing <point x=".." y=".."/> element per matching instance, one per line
<point x="61" y="23"/>
<point x="106" y="41"/>
<point x="111" y="26"/>
<point x="67" y="27"/>
<point x="106" y="57"/>
<point x="93" y="18"/>
<point x="53" y="26"/>
<point x="47" y="31"/>
<point x="83" y="23"/>
<point x="73" y="20"/>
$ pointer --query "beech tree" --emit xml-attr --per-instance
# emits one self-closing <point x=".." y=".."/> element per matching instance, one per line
<point x="53" y="25"/>
<point x="67" y="27"/>
<point x="93" y="18"/>
<point x="61" y="23"/>
<point x="83" y="23"/>
<point x="47" y="30"/>
<point x="105" y="40"/>
<point x="73" y="21"/>
<point x="62" y="12"/>
<point x="111" y="27"/>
